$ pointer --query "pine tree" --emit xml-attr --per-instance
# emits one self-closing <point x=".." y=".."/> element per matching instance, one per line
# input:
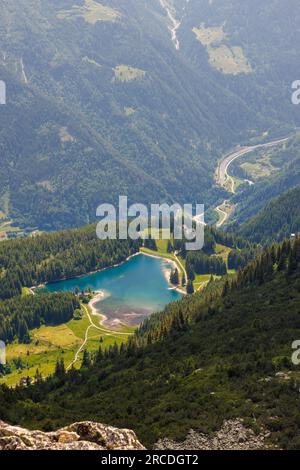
<point x="86" y="360"/>
<point x="174" y="277"/>
<point x="190" y="273"/>
<point x="292" y="264"/>
<point x="190" y="287"/>
<point x="60" y="370"/>
<point x="281" y="266"/>
<point x="225" y="288"/>
<point x="169" y="247"/>
<point x="38" y="377"/>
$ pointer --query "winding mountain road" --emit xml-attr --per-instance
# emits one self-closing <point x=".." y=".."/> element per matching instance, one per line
<point x="223" y="177"/>
<point x="222" y="174"/>
<point x="223" y="215"/>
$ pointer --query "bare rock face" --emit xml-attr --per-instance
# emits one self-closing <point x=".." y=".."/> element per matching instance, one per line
<point x="232" y="436"/>
<point x="79" y="436"/>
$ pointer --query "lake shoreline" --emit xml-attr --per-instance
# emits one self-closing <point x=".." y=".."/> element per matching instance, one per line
<point x="79" y="276"/>
<point x="100" y="296"/>
<point x="171" y="261"/>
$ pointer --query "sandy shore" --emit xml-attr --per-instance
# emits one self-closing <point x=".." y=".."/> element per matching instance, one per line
<point x="99" y="297"/>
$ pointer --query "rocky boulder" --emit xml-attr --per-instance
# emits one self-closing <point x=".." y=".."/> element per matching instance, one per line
<point x="78" y="436"/>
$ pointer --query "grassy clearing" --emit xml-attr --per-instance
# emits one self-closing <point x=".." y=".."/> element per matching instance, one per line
<point x="58" y="336"/>
<point x="50" y="343"/>
<point x="201" y="280"/>
<point x="129" y="111"/>
<point x="229" y="60"/>
<point x="65" y="137"/>
<point x="125" y="73"/>
<point x="223" y="251"/>
<point x="91" y="11"/>
<point x="26" y="291"/>
<point x="4" y="204"/>
<point x="261" y="168"/>
<point x="237" y="183"/>
<point x="208" y="36"/>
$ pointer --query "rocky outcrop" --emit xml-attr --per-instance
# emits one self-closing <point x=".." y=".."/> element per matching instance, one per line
<point x="232" y="436"/>
<point x="78" y="436"/>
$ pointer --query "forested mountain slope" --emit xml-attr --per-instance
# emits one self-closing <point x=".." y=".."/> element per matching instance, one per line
<point x="223" y="354"/>
<point x="101" y="102"/>
<point x="279" y="219"/>
<point x="285" y="175"/>
<point x="53" y="256"/>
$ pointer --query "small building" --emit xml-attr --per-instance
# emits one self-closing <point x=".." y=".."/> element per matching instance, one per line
<point x="25" y="381"/>
<point x="3" y="236"/>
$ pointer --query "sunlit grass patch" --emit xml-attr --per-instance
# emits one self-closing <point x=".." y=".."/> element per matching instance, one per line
<point x="125" y="73"/>
<point x="261" y="168"/>
<point x="65" y="137"/>
<point x="60" y="336"/>
<point x="208" y="36"/>
<point x="50" y="343"/>
<point x="222" y="251"/>
<point x="26" y="291"/>
<point x="229" y="60"/>
<point x="129" y="111"/>
<point x="91" y="11"/>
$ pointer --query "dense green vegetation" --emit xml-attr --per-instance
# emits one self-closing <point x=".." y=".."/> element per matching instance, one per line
<point x="204" y="359"/>
<point x="73" y="135"/>
<point x="200" y="263"/>
<point x="19" y="315"/>
<point x="207" y="261"/>
<point x="278" y="220"/>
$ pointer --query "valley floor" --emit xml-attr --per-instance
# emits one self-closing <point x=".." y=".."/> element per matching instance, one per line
<point x="67" y="341"/>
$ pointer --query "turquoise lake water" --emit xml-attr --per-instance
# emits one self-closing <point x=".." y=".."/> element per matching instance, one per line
<point x="131" y="291"/>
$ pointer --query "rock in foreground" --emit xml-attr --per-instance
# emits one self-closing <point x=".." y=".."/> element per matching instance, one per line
<point x="79" y="436"/>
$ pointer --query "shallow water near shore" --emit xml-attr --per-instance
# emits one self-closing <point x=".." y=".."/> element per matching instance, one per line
<point x="131" y="291"/>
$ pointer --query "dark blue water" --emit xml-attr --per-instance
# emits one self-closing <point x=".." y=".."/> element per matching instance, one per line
<point x="131" y="291"/>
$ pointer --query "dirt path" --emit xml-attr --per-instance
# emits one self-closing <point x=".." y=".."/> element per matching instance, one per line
<point x="104" y="332"/>
<point x="223" y="215"/>
<point x="181" y="265"/>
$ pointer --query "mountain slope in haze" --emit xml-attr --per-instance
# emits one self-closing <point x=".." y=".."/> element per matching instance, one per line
<point x="251" y="200"/>
<point x="279" y="219"/>
<point x="220" y="355"/>
<point x="240" y="44"/>
<point x="101" y="103"/>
